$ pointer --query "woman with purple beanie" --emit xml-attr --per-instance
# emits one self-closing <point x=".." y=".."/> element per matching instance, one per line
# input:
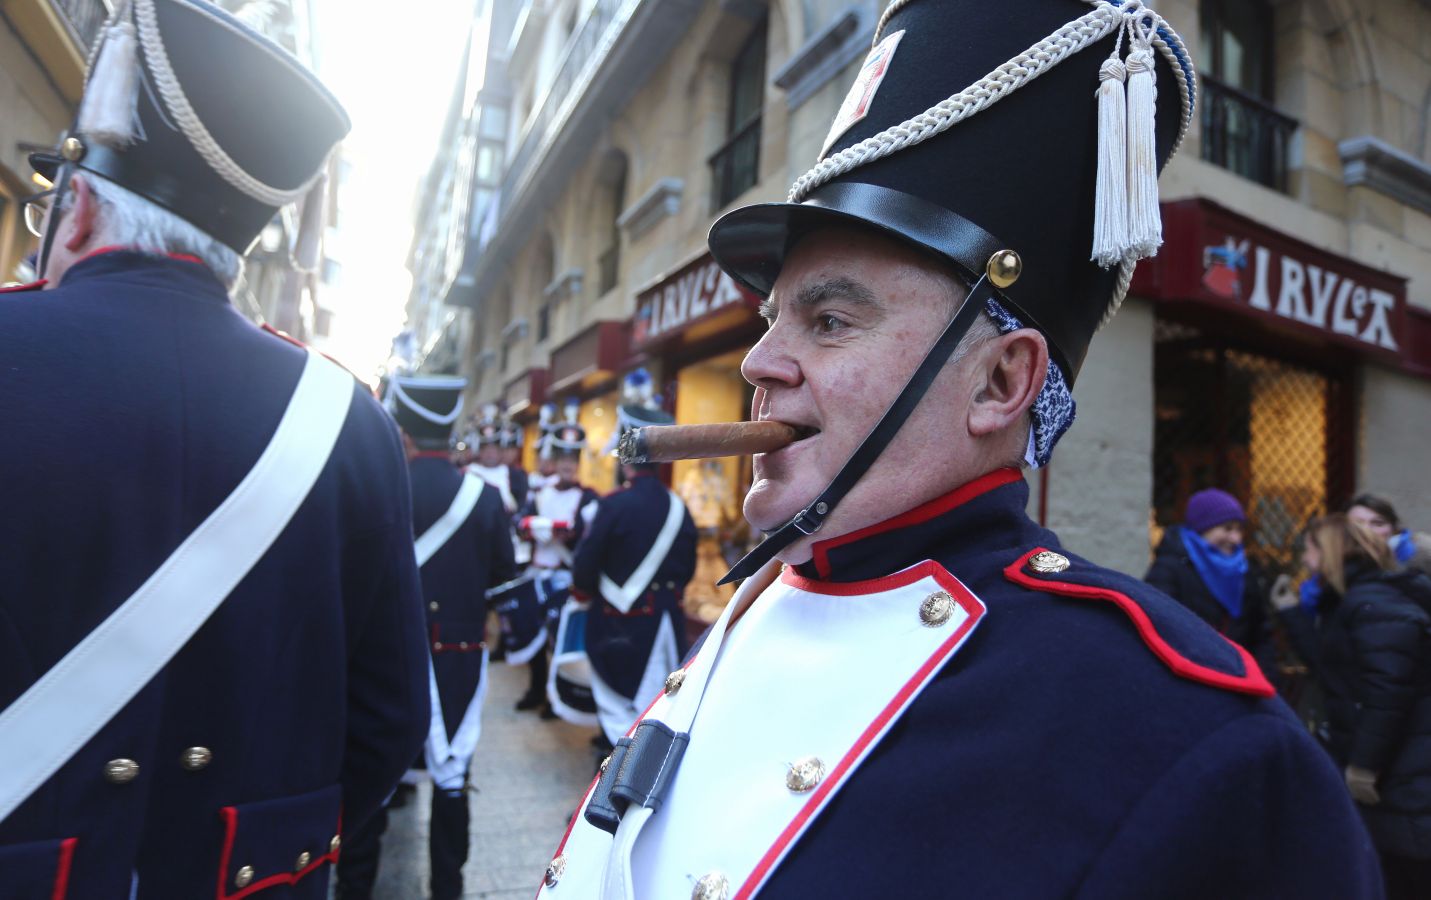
<point x="1201" y="564"/>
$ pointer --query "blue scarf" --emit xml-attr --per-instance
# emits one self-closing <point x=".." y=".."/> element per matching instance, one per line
<point x="1310" y="594"/>
<point x="1403" y="546"/>
<point x="1223" y="573"/>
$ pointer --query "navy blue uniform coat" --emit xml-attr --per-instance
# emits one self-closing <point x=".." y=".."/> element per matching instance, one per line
<point x="134" y="399"/>
<point x="621" y="534"/>
<point x="1094" y="739"/>
<point x="456" y="578"/>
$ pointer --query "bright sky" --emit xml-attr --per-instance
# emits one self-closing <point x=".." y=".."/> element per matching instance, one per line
<point x="394" y="67"/>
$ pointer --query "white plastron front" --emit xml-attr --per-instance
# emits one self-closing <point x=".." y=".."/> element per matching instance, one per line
<point x="814" y="673"/>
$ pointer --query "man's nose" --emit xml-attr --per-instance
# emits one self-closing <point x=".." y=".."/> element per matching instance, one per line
<point x="769" y="364"/>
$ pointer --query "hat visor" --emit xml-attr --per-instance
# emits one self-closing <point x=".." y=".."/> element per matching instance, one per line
<point x="46" y="164"/>
<point x="751" y="243"/>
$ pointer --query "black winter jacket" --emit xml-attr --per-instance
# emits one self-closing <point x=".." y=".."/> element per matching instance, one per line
<point x="1371" y="650"/>
<point x="1173" y="573"/>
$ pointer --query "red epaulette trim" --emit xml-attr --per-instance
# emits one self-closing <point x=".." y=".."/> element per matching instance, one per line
<point x="1251" y="682"/>
<point x="23" y="288"/>
<point x="285" y="336"/>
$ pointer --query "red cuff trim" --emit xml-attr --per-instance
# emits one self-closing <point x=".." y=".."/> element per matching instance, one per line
<point x="920" y="514"/>
<point x="230" y="815"/>
<point x="22" y="288"/>
<point x="62" y="871"/>
<point x="1251" y="682"/>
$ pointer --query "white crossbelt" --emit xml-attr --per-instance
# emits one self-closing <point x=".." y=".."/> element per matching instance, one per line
<point x="69" y="704"/>
<point x="623" y="596"/>
<point x="446" y="526"/>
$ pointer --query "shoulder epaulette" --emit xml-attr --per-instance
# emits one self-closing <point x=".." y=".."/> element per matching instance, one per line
<point x="1164" y="629"/>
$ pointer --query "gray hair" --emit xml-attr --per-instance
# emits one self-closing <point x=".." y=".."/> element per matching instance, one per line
<point x="130" y="220"/>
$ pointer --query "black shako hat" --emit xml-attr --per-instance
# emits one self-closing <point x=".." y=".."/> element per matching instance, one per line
<point x="195" y="111"/>
<point x="426" y="407"/>
<point x="1016" y="93"/>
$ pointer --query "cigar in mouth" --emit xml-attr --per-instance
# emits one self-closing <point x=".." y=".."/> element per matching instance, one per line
<point x="668" y="443"/>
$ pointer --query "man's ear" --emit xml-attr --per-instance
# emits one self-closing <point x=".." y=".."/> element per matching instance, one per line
<point x="79" y="224"/>
<point x="1013" y="369"/>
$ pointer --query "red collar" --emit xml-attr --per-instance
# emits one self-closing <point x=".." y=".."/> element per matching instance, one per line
<point x="120" y="248"/>
<point x="918" y="515"/>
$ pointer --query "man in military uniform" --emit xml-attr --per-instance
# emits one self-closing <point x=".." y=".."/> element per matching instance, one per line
<point x="461" y="529"/>
<point x="212" y="649"/>
<point x="491" y="437"/>
<point x="916" y="690"/>
<point x="633" y="564"/>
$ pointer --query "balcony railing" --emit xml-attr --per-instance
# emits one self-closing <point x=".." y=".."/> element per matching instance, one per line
<point x="735" y="167"/>
<point x="588" y="42"/>
<point x="1245" y="134"/>
<point x="85" y="18"/>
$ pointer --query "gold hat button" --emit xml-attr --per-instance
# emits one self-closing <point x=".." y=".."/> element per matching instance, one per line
<point x="244" y="877"/>
<point x="936" y="609"/>
<point x="1046" y="562"/>
<point x="555" y="870"/>
<point x="335" y="843"/>
<point x="674" y="681"/>
<point x="302" y="861"/>
<point x="196" y="758"/>
<point x="73" y="149"/>
<point x="712" y="886"/>
<point x="1004" y="268"/>
<point x="804" y="774"/>
<point x="121" y="771"/>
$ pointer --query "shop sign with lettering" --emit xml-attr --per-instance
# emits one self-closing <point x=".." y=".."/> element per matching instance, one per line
<point x="696" y="292"/>
<point x="1214" y="256"/>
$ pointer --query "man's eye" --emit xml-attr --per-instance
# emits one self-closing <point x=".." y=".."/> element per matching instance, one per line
<point x="828" y="324"/>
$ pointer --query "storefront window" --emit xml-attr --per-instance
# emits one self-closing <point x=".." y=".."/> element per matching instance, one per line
<point x="598" y="467"/>
<point x="1273" y="433"/>
<point x="713" y="391"/>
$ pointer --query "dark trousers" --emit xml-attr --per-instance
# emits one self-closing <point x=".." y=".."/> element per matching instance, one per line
<point x="537" y="674"/>
<point x="447" y="845"/>
<point x="358" y="859"/>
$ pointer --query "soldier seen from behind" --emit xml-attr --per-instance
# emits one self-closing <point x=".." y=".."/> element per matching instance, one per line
<point x="212" y="659"/>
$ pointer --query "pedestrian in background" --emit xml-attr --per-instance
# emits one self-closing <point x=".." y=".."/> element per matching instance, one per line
<point x="249" y="538"/>
<point x="1370" y="648"/>
<point x="1203" y="565"/>
<point x="1378" y="516"/>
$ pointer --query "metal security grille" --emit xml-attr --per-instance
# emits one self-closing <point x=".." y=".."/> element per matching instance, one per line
<point x="1273" y="433"/>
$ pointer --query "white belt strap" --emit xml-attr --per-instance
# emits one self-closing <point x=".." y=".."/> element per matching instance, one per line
<point x="446" y="526"/>
<point x="69" y="705"/>
<point x="623" y="596"/>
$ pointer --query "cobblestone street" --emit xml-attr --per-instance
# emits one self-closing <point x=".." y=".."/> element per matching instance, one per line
<point x="529" y="776"/>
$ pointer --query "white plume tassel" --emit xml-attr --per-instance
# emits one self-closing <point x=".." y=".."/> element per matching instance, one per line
<point x="1110" y="214"/>
<point x="109" y="112"/>
<point x="1145" y="222"/>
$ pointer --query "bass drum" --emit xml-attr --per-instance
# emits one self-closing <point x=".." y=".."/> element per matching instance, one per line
<point x="522" y="615"/>
<point x="569" y="680"/>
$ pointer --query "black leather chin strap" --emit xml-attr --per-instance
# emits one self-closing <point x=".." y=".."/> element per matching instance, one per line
<point x="812" y="517"/>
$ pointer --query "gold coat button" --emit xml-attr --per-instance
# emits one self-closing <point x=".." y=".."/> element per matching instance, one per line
<point x="334" y="844"/>
<point x="302" y="861"/>
<point x="712" y="886"/>
<point x="436" y="645"/>
<point x="555" y="870"/>
<point x="196" y="758"/>
<point x="121" y="771"/>
<point x="432" y="606"/>
<point x="462" y="645"/>
<point x="1046" y="562"/>
<point x="674" y="681"/>
<point x="936" y="609"/>
<point x="804" y="774"/>
<point x="244" y="877"/>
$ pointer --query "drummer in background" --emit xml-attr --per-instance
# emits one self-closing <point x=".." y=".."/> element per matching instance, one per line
<point x="547" y="425"/>
<point x="491" y="436"/>
<point x="512" y="441"/>
<point x="551" y="519"/>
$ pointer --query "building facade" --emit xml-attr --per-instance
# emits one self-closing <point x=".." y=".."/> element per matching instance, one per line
<point x="43" y="48"/>
<point x="1280" y="346"/>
